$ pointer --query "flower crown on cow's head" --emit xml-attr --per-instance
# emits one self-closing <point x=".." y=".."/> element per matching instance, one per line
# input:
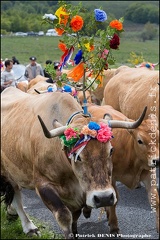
<point x="101" y="132"/>
<point x="86" y="32"/>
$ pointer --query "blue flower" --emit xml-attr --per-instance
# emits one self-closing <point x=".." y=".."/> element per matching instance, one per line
<point x="67" y="88"/>
<point x="93" y="125"/>
<point x="100" y="15"/>
<point x="78" y="57"/>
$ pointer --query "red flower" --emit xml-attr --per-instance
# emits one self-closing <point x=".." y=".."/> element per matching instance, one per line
<point x="71" y="133"/>
<point x="76" y="23"/>
<point x="114" y="42"/>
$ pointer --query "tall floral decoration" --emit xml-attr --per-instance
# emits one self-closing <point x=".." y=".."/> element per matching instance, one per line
<point x="93" y="53"/>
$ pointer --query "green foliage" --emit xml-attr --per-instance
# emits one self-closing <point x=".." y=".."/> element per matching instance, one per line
<point x="142" y="13"/>
<point x="50" y="70"/>
<point x="136" y="58"/>
<point x="92" y="47"/>
<point x="30" y="11"/>
<point x="149" y="32"/>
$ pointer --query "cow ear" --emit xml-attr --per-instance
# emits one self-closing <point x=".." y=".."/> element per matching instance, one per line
<point x="107" y="116"/>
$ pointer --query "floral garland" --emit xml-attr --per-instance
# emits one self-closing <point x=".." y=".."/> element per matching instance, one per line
<point x="101" y="132"/>
<point x="94" y="52"/>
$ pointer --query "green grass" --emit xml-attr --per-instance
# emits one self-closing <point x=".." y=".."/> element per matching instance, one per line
<point x="13" y="229"/>
<point x="47" y="48"/>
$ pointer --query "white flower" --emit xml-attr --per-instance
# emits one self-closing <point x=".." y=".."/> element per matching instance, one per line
<point x="49" y="16"/>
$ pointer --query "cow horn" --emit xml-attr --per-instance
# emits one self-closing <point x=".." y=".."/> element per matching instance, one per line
<point x="53" y="133"/>
<point x="126" y="124"/>
<point x="155" y="64"/>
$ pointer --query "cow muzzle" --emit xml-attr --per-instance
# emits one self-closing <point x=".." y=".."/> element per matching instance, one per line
<point x="153" y="162"/>
<point x="156" y="162"/>
<point x="97" y="199"/>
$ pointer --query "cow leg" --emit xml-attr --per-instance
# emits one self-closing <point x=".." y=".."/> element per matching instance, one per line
<point x="111" y="214"/>
<point x="27" y="225"/>
<point x="75" y="215"/>
<point x="11" y="213"/>
<point x="149" y="180"/>
<point x="61" y="213"/>
<point x="87" y="212"/>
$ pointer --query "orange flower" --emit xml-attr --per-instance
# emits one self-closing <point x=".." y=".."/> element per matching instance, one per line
<point x="59" y="31"/>
<point x="92" y="48"/>
<point x="77" y="72"/>
<point x="64" y="19"/>
<point x="116" y="24"/>
<point x="76" y="23"/>
<point x="62" y="47"/>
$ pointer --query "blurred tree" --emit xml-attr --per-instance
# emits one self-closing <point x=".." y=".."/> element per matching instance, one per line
<point x="149" y="32"/>
<point x="142" y="13"/>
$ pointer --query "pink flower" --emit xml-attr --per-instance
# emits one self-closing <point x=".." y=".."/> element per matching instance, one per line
<point x="70" y="133"/>
<point x="104" y="133"/>
<point x="105" y="53"/>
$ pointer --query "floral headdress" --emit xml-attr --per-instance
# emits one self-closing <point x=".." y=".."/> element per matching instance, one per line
<point x="74" y="139"/>
<point x="94" y="53"/>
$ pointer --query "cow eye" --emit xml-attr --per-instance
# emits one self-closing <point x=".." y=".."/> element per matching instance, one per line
<point x="111" y="151"/>
<point x="140" y="141"/>
<point x="78" y="158"/>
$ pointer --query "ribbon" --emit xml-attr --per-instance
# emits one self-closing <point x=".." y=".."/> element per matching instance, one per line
<point x="79" y="146"/>
<point x="66" y="58"/>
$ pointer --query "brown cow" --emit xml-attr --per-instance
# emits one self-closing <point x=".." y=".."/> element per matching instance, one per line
<point x="132" y="88"/>
<point x="67" y="180"/>
<point x="135" y="155"/>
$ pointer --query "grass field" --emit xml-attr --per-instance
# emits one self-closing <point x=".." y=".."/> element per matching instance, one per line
<point x="13" y="229"/>
<point x="47" y="48"/>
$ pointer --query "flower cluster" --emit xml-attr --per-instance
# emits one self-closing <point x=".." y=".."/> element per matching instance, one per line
<point x="93" y="130"/>
<point x="94" y="52"/>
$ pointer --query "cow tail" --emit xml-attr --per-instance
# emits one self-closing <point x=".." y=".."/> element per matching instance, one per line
<point x="7" y="191"/>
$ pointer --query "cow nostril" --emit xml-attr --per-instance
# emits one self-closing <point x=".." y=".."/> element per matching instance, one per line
<point x="104" y="200"/>
<point x="96" y="199"/>
<point x="111" y="198"/>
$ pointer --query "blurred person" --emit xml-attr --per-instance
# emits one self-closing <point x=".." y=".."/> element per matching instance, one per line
<point x="7" y="76"/>
<point x="15" y="60"/>
<point x="33" y="69"/>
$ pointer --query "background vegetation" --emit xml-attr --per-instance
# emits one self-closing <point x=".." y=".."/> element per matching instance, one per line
<point x="47" y="48"/>
<point x="26" y="16"/>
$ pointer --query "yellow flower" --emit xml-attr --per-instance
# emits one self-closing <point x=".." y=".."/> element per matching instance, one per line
<point x="87" y="45"/>
<point x="62" y="14"/>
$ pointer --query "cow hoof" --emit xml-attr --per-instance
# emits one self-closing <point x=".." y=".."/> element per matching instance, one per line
<point x="115" y="231"/>
<point x="34" y="232"/>
<point x="138" y="185"/>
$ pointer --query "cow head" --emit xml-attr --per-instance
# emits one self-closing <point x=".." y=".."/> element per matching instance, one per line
<point x="146" y="141"/>
<point x="88" y="147"/>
